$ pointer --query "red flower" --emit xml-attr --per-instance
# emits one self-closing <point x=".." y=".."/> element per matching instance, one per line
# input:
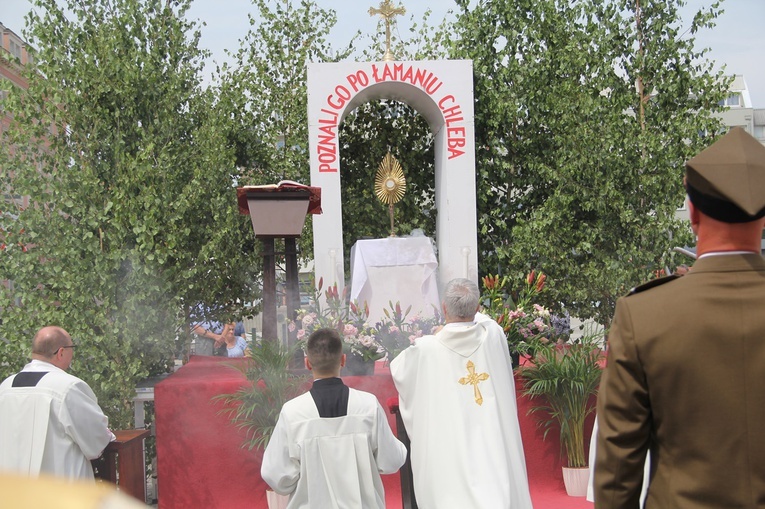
<point x="541" y="282"/>
<point x="531" y="277"/>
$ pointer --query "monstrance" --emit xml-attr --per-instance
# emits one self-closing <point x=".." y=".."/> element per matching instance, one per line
<point x="390" y="185"/>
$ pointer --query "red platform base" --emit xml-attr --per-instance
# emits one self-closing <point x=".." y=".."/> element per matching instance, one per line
<point x="201" y="463"/>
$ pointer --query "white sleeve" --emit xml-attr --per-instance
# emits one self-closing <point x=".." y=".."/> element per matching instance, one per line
<point x="278" y="469"/>
<point x="84" y="420"/>
<point x="390" y="453"/>
<point x="400" y="368"/>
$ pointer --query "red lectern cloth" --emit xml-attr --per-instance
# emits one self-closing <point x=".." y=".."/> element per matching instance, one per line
<point x="314" y="199"/>
<point x="200" y="461"/>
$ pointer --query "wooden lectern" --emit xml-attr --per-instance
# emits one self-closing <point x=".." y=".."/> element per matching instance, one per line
<point x="122" y="463"/>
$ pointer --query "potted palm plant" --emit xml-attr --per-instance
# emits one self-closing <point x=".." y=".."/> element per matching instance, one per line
<point x="565" y="377"/>
<point x="255" y="407"/>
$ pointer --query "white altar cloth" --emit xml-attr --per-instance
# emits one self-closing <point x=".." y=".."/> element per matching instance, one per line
<point x="396" y="269"/>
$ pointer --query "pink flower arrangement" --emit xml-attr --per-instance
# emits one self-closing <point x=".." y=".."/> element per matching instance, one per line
<point x="522" y="320"/>
<point x="388" y="337"/>
<point x="349" y="319"/>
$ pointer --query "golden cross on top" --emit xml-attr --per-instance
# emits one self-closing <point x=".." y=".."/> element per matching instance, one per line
<point x="474" y="379"/>
<point x="387" y="12"/>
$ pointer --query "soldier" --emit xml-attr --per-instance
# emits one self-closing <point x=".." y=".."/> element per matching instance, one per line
<point x="686" y="360"/>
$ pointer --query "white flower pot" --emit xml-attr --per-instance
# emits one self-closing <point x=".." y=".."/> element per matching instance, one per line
<point x="276" y="501"/>
<point x="576" y="481"/>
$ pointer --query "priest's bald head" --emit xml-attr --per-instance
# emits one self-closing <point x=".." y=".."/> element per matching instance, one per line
<point x="54" y="345"/>
<point x="460" y="302"/>
<point x="726" y="192"/>
<point x="324" y="353"/>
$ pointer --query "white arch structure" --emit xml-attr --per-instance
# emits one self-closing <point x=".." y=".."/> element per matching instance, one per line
<point x="442" y="92"/>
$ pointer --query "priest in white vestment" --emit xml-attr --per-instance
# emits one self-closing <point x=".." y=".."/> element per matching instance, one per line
<point x="50" y="421"/>
<point x="457" y="400"/>
<point x="331" y="444"/>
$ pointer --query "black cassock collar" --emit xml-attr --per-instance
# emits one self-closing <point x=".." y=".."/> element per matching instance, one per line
<point x="331" y="397"/>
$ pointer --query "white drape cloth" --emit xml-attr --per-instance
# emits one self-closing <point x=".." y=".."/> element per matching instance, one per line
<point x="464" y="454"/>
<point x="396" y="269"/>
<point x="55" y="427"/>
<point x="332" y="462"/>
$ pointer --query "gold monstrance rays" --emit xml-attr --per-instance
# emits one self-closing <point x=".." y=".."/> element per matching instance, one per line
<point x="387" y="12"/>
<point x="390" y="185"/>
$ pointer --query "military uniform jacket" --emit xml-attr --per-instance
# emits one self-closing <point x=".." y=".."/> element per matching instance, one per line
<point x="686" y="379"/>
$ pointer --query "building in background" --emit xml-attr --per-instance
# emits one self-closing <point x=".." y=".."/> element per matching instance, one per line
<point x="15" y="54"/>
<point x="739" y="111"/>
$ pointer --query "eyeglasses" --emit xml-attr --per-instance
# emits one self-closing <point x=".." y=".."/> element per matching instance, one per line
<point x="70" y="346"/>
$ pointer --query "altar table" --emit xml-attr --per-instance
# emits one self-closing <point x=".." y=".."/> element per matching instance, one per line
<point x="395" y="269"/>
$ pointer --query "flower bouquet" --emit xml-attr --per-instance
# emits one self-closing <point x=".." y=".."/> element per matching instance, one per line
<point x="349" y="319"/>
<point x="523" y="321"/>
<point x="396" y="333"/>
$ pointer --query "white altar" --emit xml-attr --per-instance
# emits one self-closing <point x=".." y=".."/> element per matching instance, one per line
<point x="395" y="269"/>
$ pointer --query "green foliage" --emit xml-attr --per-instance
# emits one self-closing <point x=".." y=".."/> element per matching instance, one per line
<point x="132" y="221"/>
<point x="256" y="406"/>
<point x="579" y="173"/>
<point x="566" y="377"/>
<point x="264" y="95"/>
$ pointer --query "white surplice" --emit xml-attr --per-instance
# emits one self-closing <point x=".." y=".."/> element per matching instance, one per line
<point x="336" y="462"/>
<point x="457" y="400"/>
<point x="53" y="427"/>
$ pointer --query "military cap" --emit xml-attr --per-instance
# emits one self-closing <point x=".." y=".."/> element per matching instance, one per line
<point x="726" y="181"/>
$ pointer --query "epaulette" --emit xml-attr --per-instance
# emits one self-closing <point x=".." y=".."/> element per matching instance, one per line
<point x="653" y="283"/>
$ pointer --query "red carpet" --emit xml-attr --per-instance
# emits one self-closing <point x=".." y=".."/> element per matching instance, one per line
<point x="201" y="463"/>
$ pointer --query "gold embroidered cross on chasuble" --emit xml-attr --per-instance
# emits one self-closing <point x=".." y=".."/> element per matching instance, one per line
<point x="474" y="379"/>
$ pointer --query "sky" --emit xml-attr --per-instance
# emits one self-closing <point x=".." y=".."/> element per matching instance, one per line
<point x="738" y="41"/>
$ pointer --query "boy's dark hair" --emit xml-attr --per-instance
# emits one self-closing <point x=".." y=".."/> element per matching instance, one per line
<point x="324" y="349"/>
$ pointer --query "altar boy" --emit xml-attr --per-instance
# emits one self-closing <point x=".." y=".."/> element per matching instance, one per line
<point x="331" y="444"/>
